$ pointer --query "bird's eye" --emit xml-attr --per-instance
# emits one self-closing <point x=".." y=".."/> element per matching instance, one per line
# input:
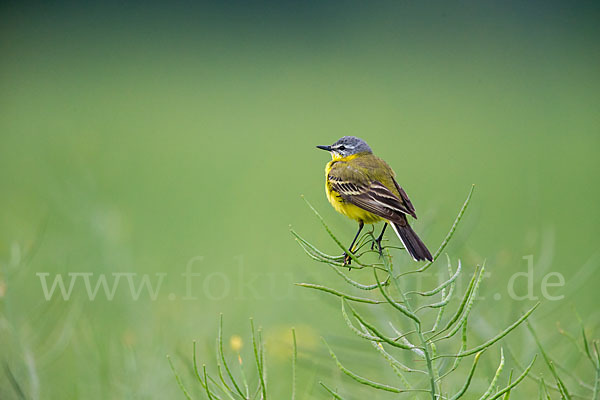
<point x="342" y="148"/>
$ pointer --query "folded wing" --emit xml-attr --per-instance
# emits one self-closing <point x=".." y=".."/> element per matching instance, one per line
<point x="370" y="195"/>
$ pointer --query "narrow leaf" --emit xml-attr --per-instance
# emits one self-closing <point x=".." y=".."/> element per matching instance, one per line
<point x="463" y="390"/>
<point x="340" y="294"/>
<point x="516" y="382"/>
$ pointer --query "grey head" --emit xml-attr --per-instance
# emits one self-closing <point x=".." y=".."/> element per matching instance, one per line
<point x="346" y="146"/>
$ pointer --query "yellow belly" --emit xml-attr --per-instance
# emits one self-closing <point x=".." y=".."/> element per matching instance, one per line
<point x="348" y="209"/>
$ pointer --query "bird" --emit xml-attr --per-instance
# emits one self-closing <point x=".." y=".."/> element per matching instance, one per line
<point x="363" y="187"/>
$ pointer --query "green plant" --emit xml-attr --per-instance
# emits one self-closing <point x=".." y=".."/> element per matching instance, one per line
<point x="586" y="349"/>
<point x="429" y="333"/>
<point x="229" y="384"/>
<point x="430" y="339"/>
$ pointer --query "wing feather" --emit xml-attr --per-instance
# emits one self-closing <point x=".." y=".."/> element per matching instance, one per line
<point x="370" y="195"/>
<point x="405" y="199"/>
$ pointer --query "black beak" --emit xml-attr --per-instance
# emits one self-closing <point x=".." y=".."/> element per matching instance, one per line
<point x="328" y="148"/>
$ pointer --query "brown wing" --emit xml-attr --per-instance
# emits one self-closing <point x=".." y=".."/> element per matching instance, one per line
<point x="370" y="195"/>
<point x="405" y="200"/>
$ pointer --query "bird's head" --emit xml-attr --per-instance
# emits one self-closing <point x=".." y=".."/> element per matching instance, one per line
<point x="347" y="146"/>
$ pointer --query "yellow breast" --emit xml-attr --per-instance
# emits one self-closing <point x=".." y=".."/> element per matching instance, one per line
<point x="343" y="207"/>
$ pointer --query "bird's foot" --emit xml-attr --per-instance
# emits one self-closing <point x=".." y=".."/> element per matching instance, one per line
<point x="347" y="261"/>
<point x="376" y="244"/>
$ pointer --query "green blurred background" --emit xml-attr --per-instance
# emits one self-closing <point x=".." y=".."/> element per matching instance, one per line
<point x="137" y="136"/>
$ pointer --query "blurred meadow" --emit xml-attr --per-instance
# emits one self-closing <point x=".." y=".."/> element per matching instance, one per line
<point x="149" y="138"/>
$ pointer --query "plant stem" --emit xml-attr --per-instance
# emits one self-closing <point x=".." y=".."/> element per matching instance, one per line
<point x="426" y="350"/>
<point x="424" y="344"/>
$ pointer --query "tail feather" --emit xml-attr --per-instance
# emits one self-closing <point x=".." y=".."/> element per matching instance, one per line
<point x="413" y="244"/>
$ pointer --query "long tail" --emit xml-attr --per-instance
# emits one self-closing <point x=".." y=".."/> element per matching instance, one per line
<point x="413" y="244"/>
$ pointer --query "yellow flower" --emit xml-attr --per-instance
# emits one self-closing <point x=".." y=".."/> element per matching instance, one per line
<point x="235" y="342"/>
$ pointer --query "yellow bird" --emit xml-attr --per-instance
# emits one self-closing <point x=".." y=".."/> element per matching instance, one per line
<point x="363" y="187"/>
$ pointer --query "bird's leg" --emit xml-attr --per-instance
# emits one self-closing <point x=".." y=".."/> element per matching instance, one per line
<point x="379" y="239"/>
<point x="348" y="259"/>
